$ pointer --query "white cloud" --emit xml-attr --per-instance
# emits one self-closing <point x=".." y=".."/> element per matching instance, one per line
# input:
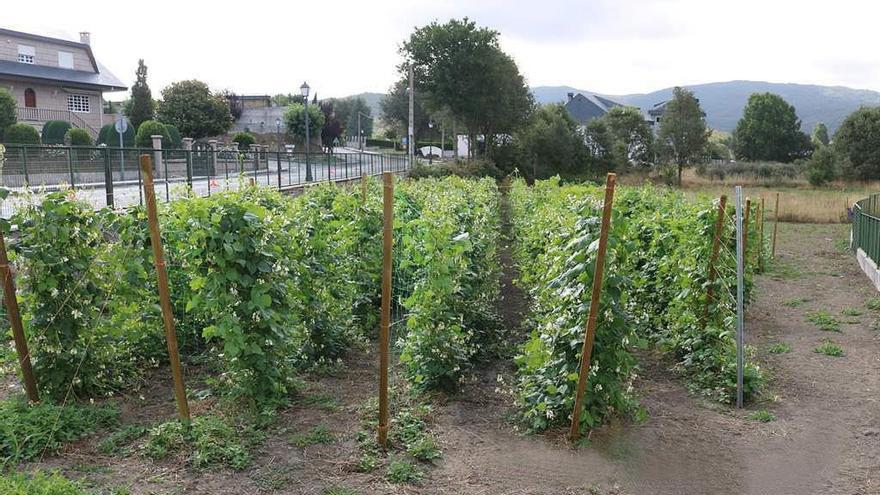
<point x="350" y="46"/>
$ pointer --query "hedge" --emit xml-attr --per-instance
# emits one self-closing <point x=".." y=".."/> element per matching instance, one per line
<point x="54" y="131"/>
<point x="150" y="128"/>
<point x="176" y="140"/>
<point x="108" y="136"/>
<point x="21" y="134"/>
<point x="244" y="140"/>
<point x="78" y="137"/>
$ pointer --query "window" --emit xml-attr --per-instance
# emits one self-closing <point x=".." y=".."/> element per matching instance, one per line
<point x="26" y="54"/>
<point x="30" y="98"/>
<point x="65" y="60"/>
<point x="78" y="103"/>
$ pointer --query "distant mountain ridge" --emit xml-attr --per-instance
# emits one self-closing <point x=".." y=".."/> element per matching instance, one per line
<point x="723" y="102"/>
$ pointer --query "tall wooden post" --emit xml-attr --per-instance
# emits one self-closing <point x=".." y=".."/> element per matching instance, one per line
<point x="716" y="246"/>
<point x="745" y="234"/>
<point x="761" y="236"/>
<point x="385" y="324"/>
<point x="12" y="312"/>
<point x="590" y="334"/>
<point x="775" y="225"/>
<point x="164" y="295"/>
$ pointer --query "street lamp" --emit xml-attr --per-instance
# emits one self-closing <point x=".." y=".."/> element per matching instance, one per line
<point x="304" y="90"/>
<point x="278" y="132"/>
<point x="430" y="147"/>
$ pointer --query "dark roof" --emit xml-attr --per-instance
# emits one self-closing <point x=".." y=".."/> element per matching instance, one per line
<point x="658" y="109"/>
<point x="100" y="79"/>
<point x="584" y="108"/>
<point x="103" y="80"/>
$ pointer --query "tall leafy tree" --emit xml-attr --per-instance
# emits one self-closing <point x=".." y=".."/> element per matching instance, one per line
<point x="769" y="130"/>
<point x="194" y="110"/>
<point x="683" y="134"/>
<point x="295" y="121"/>
<point x="631" y="132"/>
<point x="347" y="109"/>
<point x="141" y="106"/>
<point x="7" y="110"/>
<point x="820" y="135"/>
<point x="395" y="109"/>
<point x="858" y="140"/>
<point x="550" y="144"/>
<point x="461" y="67"/>
<point x="333" y="127"/>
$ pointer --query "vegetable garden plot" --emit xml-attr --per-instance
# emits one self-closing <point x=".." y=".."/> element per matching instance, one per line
<point x="655" y="292"/>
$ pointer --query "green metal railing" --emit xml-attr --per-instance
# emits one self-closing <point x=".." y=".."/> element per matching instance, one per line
<point x="866" y="227"/>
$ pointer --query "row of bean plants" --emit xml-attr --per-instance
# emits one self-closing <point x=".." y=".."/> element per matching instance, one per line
<point x="446" y="256"/>
<point x="654" y="293"/>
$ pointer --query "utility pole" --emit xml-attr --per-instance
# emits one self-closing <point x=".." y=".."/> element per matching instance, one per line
<point x="410" y="139"/>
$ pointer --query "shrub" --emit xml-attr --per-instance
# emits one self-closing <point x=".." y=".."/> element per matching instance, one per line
<point x="244" y="140"/>
<point x="7" y="111"/>
<point x="78" y="137"/>
<point x="54" y="131"/>
<point x="21" y="134"/>
<point x="822" y="167"/>
<point x="175" y="141"/>
<point x="108" y="136"/>
<point x="151" y="128"/>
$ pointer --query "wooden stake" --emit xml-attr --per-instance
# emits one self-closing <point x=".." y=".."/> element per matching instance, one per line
<point x="590" y="334"/>
<point x="164" y="296"/>
<point x="716" y="247"/>
<point x="745" y="234"/>
<point x="761" y="236"/>
<point x="388" y="203"/>
<point x="775" y="225"/>
<point x="24" y="357"/>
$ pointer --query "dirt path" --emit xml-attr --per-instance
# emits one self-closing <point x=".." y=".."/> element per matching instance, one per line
<point x="825" y="440"/>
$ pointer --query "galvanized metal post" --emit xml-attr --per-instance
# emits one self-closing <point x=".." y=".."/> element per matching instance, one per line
<point x="187" y="148"/>
<point x="739" y="297"/>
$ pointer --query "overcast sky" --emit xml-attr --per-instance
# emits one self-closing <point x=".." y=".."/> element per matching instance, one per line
<point x="349" y="46"/>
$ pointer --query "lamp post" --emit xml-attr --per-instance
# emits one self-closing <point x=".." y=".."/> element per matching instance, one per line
<point x="304" y="90"/>
<point x="430" y="148"/>
<point x="278" y="132"/>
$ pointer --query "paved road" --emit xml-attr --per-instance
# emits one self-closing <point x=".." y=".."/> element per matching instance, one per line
<point x="293" y="172"/>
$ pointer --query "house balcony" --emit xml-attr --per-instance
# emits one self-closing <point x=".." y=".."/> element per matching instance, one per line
<point x="38" y="116"/>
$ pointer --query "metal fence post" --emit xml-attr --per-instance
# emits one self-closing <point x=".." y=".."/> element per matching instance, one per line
<point x="108" y="178"/>
<point x="70" y="167"/>
<point x="187" y="147"/>
<point x="24" y="157"/>
<point x="278" y="167"/>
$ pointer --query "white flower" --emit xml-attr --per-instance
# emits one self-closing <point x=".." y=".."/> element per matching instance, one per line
<point x="550" y="414"/>
<point x="54" y="292"/>
<point x="76" y="313"/>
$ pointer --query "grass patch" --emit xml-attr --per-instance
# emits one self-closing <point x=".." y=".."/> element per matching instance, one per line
<point x="782" y="270"/>
<point x="795" y="302"/>
<point x="323" y="401"/>
<point x="26" y="431"/>
<point x="829" y="349"/>
<point x="207" y="442"/>
<point x="315" y="436"/>
<point x="403" y="471"/>
<point x="779" y="348"/>
<point x="119" y="442"/>
<point x="38" y="483"/>
<point x="824" y="320"/>
<point x="764" y="416"/>
<point x="873" y="304"/>
<point x="851" y="312"/>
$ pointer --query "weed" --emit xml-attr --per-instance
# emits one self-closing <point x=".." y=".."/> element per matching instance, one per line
<point x="273" y="477"/>
<point x="209" y="441"/>
<point x="779" y="348"/>
<point x="824" y="320"/>
<point x="829" y="349"/>
<point x="322" y="401"/>
<point x="782" y="270"/>
<point x="38" y="483"/>
<point x="26" y="430"/>
<point x="317" y="435"/>
<point x="873" y="303"/>
<point x="851" y="312"/>
<point x="409" y="429"/>
<point x="118" y="441"/>
<point x="795" y="302"/>
<point x="403" y="471"/>
<point x="764" y="416"/>
<point x="368" y="462"/>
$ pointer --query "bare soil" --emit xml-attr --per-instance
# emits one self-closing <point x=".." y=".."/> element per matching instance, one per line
<point x="825" y="439"/>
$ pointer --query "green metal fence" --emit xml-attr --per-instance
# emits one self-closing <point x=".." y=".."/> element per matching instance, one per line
<point x="866" y="227"/>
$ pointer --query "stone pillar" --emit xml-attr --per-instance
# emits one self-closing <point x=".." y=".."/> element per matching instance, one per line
<point x="214" y="152"/>
<point x="157" y="155"/>
<point x="187" y="148"/>
<point x="255" y="149"/>
<point x="188" y="143"/>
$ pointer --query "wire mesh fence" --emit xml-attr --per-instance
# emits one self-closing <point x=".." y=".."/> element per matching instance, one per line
<point x="106" y="176"/>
